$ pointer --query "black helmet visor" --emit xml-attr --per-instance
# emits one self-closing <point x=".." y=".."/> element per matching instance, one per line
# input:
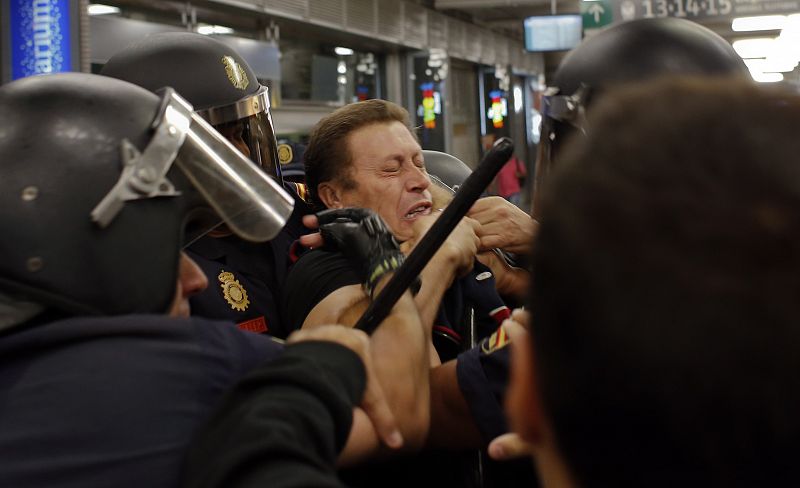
<point x="247" y="124"/>
<point x="251" y="203"/>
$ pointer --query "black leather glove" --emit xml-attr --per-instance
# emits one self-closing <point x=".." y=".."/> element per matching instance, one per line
<point x="363" y="237"/>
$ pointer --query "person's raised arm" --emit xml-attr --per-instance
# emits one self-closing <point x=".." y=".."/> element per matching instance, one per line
<point x="454" y="258"/>
<point x="399" y="346"/>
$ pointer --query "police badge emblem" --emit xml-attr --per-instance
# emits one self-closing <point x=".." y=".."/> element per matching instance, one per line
<point x="235" y="72"/>
<point x="233" y="291"/>
<point x="285" y="154"/>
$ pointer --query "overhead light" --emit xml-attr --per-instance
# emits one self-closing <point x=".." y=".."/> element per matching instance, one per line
<point x="793" y="20"/>
<point x="791" y="31"/>
<point x="754" y="48"/>
<point x="770" y="65"/>
<point x="343" y="51"/>
<point x="207" y="29"/>
<point x="517" y="99"/>
<point x="766" y="77"/>
<point x="767" y="57"/>
<point x="780" y="63"/>
<point x="763" y="22"/>
<point x="100" y="9"/>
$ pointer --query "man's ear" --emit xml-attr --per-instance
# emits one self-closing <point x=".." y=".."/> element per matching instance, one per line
<point x="523" y="404"/>
<point x="330" y="195"/>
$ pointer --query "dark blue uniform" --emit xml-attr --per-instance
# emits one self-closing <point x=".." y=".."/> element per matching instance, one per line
<point x="245" y="279"/>
<point x="482" y="373"/>
<point x="477" y="292"/>
<point x="318" y="273"/>
<point x="284" y="425"/>
<point x="113" y="401"/>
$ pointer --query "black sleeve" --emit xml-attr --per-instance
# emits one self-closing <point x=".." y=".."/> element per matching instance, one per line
<point x="314" y="276"/>
<point x="283" y="425"/>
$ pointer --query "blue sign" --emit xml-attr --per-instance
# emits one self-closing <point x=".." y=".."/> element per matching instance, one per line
<point x="40" y="37"/>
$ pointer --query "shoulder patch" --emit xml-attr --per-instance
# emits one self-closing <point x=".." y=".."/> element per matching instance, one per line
<point x="495" y="342"/>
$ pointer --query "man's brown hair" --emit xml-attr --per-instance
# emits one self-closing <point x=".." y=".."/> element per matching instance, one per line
<point x="327" y="157"/>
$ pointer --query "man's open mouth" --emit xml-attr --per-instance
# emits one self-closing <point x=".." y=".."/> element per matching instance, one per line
<point x="422" y="208"/>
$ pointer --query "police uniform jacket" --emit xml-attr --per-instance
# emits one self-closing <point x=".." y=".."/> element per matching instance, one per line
<point x="113" y="401"/>
<point x="245" y="279"/>
<point x="284" y="424"/>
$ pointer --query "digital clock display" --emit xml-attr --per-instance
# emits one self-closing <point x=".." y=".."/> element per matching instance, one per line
<point x="700" y="9"/>
<point x="685" y="8"/>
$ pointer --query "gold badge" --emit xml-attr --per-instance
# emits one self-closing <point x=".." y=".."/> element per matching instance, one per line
<point x="496" y="341"/>
<point x="285" y="153"/>
<point x="235" y="72"/>
<point x="233" y="291"/>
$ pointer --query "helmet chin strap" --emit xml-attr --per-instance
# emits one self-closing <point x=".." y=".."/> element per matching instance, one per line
<point x="144" y="173"/>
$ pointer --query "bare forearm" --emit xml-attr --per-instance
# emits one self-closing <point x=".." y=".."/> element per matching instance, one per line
<point x="399" y="347"/>
<point x="362" y="443"/>
<point x="455" y="256"/>
<point x="437" y="276"/>
<point x="452" y="424"/>
<point x="400" y="350"/>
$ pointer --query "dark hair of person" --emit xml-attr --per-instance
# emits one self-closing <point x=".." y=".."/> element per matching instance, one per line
<point x="666" y="294"/>
<point x="327" y="157"/>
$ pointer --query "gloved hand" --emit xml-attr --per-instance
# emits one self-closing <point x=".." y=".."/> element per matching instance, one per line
<point x="363" y="237"/>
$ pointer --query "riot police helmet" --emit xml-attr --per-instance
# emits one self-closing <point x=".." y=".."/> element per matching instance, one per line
<point x="628" y="52"/>
<point x="94" y="212"/>
<point x="215" y="79"/>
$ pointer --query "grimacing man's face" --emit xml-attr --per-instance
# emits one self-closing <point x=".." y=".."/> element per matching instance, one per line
<point x="388" y="170"/>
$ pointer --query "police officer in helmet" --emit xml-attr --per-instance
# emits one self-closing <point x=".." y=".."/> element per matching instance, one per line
<point x="629" y="52"/>
<point x="246" y="277"/>
<point x="98" y="386"/>
<point x="219" y="84"/>
<point x="102" y="180"/>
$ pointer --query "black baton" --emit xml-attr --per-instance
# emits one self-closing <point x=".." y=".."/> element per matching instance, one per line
<point x="475" y="184"/>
